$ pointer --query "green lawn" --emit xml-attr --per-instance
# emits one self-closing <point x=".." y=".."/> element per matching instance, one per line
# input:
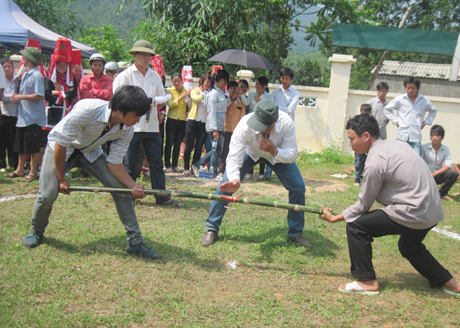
<point x="81" y="277"/>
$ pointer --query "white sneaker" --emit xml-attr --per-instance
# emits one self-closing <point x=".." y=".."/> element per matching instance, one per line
<point x="195" y="170"/>
<point x="218" y="178"/>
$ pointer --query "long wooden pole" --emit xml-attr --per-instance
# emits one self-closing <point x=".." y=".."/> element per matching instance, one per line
<point x="173" y="193"/>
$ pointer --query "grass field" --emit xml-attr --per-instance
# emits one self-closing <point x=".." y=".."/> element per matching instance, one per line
<point x="81" y="277"/>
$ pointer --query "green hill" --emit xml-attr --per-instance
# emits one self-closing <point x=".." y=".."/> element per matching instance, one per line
<point x="95" y="13"/>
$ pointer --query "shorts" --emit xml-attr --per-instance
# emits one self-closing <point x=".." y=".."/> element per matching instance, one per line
<point x="28" y="139"/>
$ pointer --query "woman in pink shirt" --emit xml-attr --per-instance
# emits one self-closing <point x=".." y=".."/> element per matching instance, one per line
<point x="96" y="84"/>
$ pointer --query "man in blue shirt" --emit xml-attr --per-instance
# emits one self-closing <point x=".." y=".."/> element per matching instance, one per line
<point x="31" y="114"/>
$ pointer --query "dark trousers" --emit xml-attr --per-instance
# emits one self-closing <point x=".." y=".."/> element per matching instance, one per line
<point x="448" y="179"/>
<point x="7" y="136"/>
<point x="195" y="136"/>
<point x="224" y="154"/>
<point x="152" y="148"/>
<point x="175" y="131"/>
<point x="361" y="234"/>
<point x="261" y="169"/>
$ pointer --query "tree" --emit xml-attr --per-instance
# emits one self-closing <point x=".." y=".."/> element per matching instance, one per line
<point x="186" y="32"/>
<point x="204" y="28"/>
<point x="107" y="42"/>
<point x="55" y="15"/>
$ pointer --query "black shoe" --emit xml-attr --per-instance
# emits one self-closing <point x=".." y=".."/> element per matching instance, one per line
<point x="143" y="251"/>
<point x="209" y="238"/>
<point x="263" y="178"/>
<point x="299" y="239"/>
<point x="33" y="240"/>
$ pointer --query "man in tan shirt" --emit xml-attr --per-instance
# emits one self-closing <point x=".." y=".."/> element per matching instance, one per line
<point x="403" y="183"/>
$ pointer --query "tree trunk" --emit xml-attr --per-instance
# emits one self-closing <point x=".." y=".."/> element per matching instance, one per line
<point x="380" y="64"/>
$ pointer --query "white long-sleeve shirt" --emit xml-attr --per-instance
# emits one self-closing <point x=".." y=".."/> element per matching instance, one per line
<point x="245" y="139"/>
<point x="410" y="116"/>
<point x="151" y="84"/>
<point x="287" y="100"/>
<point x="84" y="124"/>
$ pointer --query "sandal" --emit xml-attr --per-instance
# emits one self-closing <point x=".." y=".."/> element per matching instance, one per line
<point x="14" y="175"/>
<point x="172" y="202"/>
<point x="30" y="178"/>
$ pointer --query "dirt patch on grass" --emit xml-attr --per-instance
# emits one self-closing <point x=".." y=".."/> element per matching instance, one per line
<point x="252" y="186"/>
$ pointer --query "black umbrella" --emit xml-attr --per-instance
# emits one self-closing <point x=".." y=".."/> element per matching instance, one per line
<point x="243" y="58"/>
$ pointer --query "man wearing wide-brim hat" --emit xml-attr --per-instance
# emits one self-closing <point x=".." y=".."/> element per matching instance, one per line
<point x="265" y="136"/>
<point x="146" y="132"/>
<point x="31" y="114"/>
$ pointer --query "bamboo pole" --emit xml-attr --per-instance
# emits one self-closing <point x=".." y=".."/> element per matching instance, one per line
<point x="189" y="194"/>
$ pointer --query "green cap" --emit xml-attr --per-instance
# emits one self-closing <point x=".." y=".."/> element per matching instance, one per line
<point x="33" y="54"/>
<point x="265" y="115"/>
<point x="142" y="46"/>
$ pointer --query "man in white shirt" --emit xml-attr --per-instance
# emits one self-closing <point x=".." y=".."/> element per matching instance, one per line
<point x="437" y="157"/>
<point x="265" y="136"/>
<point x="411" y="107"/>
<point x="402" y="183"/>
<point x="287" y="99"/>
<point x="146" y="132"/>
<point x="76" y="142"/>
<point x="378" y="103"/>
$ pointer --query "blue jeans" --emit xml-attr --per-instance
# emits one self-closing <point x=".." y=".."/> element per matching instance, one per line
<point x="268" y="172"/>
<point x="360" y="160"/>
<point x="212" y="157"/>
<point x="290" y="177"/>
<point x="49" y="187"/>
<point x="152" y="148"/>
<point x="417" y="146"/>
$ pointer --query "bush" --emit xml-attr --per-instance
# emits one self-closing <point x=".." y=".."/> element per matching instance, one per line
<point x="329" y="154"/>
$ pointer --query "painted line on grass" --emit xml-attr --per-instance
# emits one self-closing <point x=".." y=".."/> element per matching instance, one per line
<point x="8" y="198"/>
<point x="445" y="232"/>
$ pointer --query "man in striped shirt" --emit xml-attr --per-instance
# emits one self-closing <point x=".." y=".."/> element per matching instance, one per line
<point x="76" y="142"/>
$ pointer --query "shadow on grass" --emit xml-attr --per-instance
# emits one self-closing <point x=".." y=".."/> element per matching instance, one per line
<point x="189" y="204"/>
<point x="114" y="246"/>
<point x="322" y="247"/>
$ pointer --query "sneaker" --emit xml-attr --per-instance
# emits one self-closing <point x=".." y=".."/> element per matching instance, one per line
<point x="218" y="178"/>
<point x="195" y="170"/>
<point x="168" y="170"/>
<point x="33" y="240"/>
<point x="177" y="170"/>
<point x="356" y="184"/>
<point x="143" y="251"/>
<point x="187" y="172"/>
